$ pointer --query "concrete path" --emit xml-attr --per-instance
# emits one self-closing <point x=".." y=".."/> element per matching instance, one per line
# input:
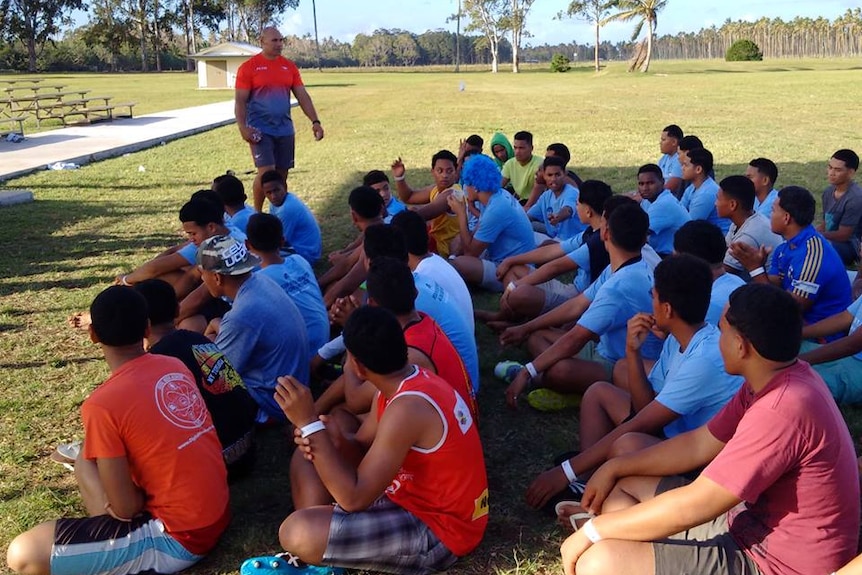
<point x="88" y="143"/>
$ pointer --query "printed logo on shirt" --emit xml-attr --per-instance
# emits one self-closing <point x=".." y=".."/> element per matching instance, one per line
<point x="809" y="288"/>
<point x="219" y="375"/>
<point x="480" y="505"/>
<point x="400" y="478"/>
<point x="462" y="414"/>
<point x="179" y="401"/>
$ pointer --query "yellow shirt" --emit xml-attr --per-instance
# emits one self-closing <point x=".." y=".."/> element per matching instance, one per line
<point x="444" y="227"/>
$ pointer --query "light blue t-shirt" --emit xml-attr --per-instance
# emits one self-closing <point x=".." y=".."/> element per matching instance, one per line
<point x="264" y="337"/>
<point x="296" y="278"/>
<point x="301" y="231"/>
<point x="190" y="250"/>
<point x="581" y="256"/>
<point x="721" y="290"/>
<point x="700" y="203"/>
<point x="505" y="227"/>
<point x="692" y="383"/>
<point x="625" y="292"/>
<point x="765" y="207"/>
<point x="433" y="300"/>
<point x="670" y="166"/>
<point x="550" y="204"/>
<point x="666" y="216"/>
<point x="240" y="219"/>
<point x="393" y="207"/>
<point x="856" y="309"/>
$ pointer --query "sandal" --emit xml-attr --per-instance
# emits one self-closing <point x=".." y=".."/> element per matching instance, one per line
<point x="560" y="509"/>
<point x="284" y="564"/>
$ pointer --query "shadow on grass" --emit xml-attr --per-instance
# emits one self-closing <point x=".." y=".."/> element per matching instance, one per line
<point x="55" y="363"/>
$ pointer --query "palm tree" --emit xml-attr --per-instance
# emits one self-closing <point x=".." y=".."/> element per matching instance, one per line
<point x="645" y="12"/>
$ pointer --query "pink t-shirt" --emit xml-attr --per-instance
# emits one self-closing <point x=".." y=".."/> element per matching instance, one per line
<point x="790" y="458"/>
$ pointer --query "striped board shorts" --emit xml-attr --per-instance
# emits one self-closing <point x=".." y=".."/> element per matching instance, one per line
<point x="385" y="537"/>
<point x="102" y="544"/>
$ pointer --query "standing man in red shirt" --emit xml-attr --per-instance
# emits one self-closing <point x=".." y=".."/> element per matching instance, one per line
<point x="262" y="108"/>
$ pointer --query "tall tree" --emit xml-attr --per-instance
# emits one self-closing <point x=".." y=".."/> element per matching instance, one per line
<point x="33" y="22"/>
<point x="488" y="17"/>
<point x="517" y="25"/>
<point x="645" y="12"/>
<point x="596" y="12"/>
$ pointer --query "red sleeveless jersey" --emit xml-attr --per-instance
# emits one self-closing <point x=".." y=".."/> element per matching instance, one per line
<point x="446" y="486"/>
<point x="427" y="336"/>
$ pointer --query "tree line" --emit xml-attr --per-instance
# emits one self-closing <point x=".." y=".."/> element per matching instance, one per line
<point x="145" y="35"/>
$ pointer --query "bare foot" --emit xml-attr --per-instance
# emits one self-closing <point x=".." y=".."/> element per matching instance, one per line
<point x="80" y="320"/>
<point x="486" y="315"/>
<point x="500" y="325"/>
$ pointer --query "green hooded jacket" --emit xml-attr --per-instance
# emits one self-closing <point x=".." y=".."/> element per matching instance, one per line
<point x="500" y="139"/>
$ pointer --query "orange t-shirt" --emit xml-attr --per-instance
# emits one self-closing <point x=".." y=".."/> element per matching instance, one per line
<point x="269" y="83"/>
<point x="151" y="412"/>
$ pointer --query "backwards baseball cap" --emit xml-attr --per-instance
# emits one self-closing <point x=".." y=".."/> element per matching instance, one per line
<point x="226" y="255"/>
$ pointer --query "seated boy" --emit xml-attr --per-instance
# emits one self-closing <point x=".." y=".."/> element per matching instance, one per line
<point x="430" y="201"/>
<point x="520" y="171"/>
<point x="301" y="231"/>
<point x="150" y="472"/>
<point x="503" y="228"/>
<point x="763" y="173"/>
<point x="666" y="214"/>
<point x="699" y="196"/>
<point x="418" y="498"/>
<point x="671" y="169"/>
<point x="842" y="206"/>
<point x="292" y="273"/>
<point x="554" y="212"/>
<point x="560" y="151"/>
<point x="232" y="193"/>
<point x="685" y="388"/>
<point x="780" y="473"/>
<point x="232" y="408"/>
<point x="380" y="181"/>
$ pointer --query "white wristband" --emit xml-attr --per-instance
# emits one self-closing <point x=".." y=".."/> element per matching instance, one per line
<point x="757" y="272"/>
<point x="124" y="281"/>
<point x="400" y="178"/>
<point x="531" y="369"/>
<point x="590" y="531"/>
<point x="312" y="428"/>
<point x="567" y="469"/>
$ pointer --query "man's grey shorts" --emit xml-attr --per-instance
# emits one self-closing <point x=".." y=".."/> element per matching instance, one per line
<point x="274" y="151"/>
<point x="707" y="549"/>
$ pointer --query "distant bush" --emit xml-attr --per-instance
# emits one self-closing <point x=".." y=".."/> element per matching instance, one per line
<point x="560" y="63"/>
<point x="743" y="51"/>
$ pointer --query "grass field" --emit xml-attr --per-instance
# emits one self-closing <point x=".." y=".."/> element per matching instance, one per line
<point x="89" y="225"/>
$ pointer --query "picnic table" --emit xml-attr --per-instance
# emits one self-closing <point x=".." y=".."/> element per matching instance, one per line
<point x="38" y="104"/>
<point x="35" y="88"/>
<point x="18" y="80"/>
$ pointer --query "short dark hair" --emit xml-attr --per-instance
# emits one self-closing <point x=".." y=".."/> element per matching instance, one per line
<point x="740" y="189"/>
<point x="701" y="157"/>
<point x="674" y="131"/>
<point x="209" y="196"/>
<point x="201" y="212"/>
<point x="390" y="284"/>
<point x="273" y="176"/>
<point x="560" y="151"/>
<point x="766" y="167"/>
<point x="629" y="226"/>
<point x="702" y="239"/>
<point x="594" y="193"/>
<point x="475" y="140"/>
<point x="366" y="202"/>
<point x="374" y="177"/>
<point x="685" y="282"/>
<point x="524" y="136"/>
<point x="554" y="161"/>
<point x="415" y="231"/>
<point x="265" y="232"/>
<point x="375" y="338"/>
<point x="230" y="189"/>
<point x="849" y="157"/>
<point x="690" y="142"/>
<point x="651" y="169"/>
<point x="444" y="155"/>
<point x="119" y="316"/>
<point x="162" y="303"/>
<point x="799" y="203"/>
<point x="769" y="318"/>
<point x="614" y="202"/>
<point x="384" y="240"/>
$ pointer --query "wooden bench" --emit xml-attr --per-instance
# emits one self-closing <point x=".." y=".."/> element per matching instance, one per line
<point x="128" y="105"/>
<point x="12" y="120"/>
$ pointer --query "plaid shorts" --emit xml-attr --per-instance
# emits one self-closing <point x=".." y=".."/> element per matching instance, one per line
<point x="385" y="537"/>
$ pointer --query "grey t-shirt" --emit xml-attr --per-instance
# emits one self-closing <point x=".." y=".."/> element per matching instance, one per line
<point x="756" y="231"/>
<point x="846" y="211"/>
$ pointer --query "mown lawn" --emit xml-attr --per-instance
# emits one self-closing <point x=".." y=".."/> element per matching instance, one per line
<point x="89" y="225"/>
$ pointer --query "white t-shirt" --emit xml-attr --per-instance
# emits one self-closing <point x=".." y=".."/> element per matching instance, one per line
<point x="444" y="274"/>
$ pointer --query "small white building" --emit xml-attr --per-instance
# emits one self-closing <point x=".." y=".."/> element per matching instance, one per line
<point x="218" y="65"/>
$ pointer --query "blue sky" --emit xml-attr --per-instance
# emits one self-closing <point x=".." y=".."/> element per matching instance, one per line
<point x="343" y="19"/>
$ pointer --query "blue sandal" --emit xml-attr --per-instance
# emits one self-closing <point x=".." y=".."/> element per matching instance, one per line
<point x="284" y="564"/>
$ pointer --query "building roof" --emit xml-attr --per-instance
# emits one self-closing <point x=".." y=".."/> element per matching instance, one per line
<point x="227" y="50"/>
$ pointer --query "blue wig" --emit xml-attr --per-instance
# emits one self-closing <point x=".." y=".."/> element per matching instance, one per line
<point x="481" y="172"/>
